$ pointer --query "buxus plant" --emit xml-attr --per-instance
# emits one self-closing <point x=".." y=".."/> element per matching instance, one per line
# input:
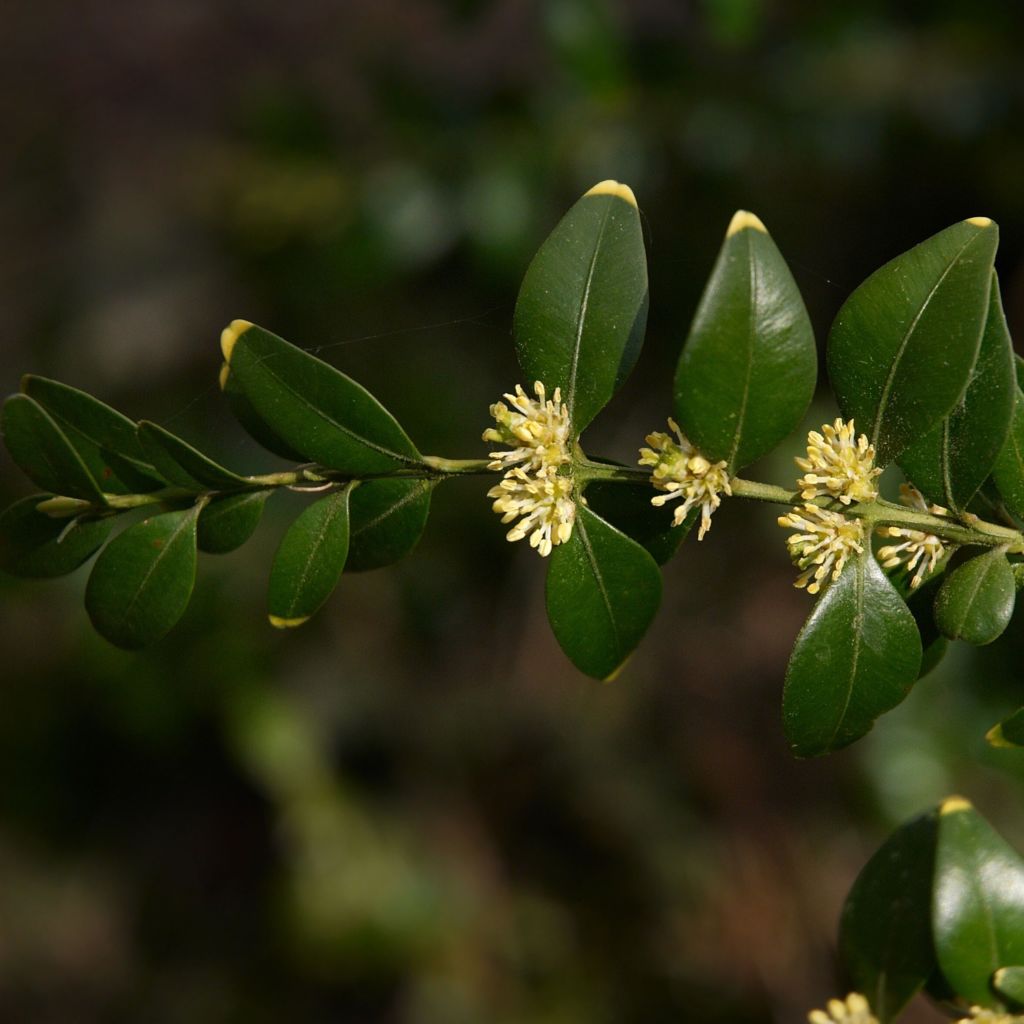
<point x="923" y="371"/>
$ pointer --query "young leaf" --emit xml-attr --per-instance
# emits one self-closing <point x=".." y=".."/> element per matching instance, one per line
<point x="34" y="545"/>
<point x="43" y="452"/>
<point x="226" y="523"/>
<point x="142" y="582"/>
<point x="903" y="346"/>
<point x="1009" y="982"/>
<point x="977" y="903"/>
<point x="885" y="937"/>
<point x="315" y="408"/>
<point x="856" y="657"/>
<point x="388" y="518"/>
<point x="747" y="372"/>
<point x="953" y="460"/>
<point x="582" y="309"/>
<point x="1008" y="471"/>
<point x="181" y="464"/>
<point x="1009" y="732"/>
<point x="103" y="438"/>
<point x="603" y="591"/>
<point x="976" y="600"/>
<point x="628" y="508"/>
<point x="309" y="561"/>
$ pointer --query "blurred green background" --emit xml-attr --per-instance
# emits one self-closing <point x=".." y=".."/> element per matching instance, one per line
<point x="414" y="809"/>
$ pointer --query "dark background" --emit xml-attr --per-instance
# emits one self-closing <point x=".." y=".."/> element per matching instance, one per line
<point x="414" y="809"/>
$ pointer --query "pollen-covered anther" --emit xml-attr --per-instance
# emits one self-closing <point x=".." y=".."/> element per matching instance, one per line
<point x="542" y="504"/>
<point x="854" y="1009"/>
<point x="678" y="469"/>
<point x="920" y="552"/>
<point x="822" y="545"/>
<point x="982" y="1015"/>
<point x="838" y="465"/>
<point x="536" y="431"/>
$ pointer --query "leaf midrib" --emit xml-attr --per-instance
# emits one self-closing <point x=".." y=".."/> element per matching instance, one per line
<point x="751" y="329"/>
<point x="406" y="499"/>
<point x="599" y="579"/>
<point x="858" y="623"/>
<point x="340" y="505"/>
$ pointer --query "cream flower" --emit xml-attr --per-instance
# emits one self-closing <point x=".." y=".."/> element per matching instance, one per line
<point x="979" y="1015"/>
<point x="838" y="465"/>
<point x="823" y="545"/>
<point x="919" y="551"/>
<point x="682" y="472"/>
<point x="536" y="430"/>
<point x="544" y="503"/>
<point x="853" y="1009"/>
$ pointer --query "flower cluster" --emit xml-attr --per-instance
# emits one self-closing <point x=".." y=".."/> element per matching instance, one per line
<point x="537" y="432"/>
<point x="919" y="551"/>
<point x="838" y="465"/>
<point x="823" y="544"/>
<point x="854" y="1009"/>
<point x="682" y="472"/>
<point x="979" y="1015"/>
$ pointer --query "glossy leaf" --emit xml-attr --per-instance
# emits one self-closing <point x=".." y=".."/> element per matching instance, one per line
<point x="903" y="346"/>
<point x="921" y="603"/>
<point x="315" y="408"/>
<point x="978" y="902"/>
<point x="582" y="309"/>
<point x="952" y="461"/>
<point x="243" y="411"/>
<point x="747" y="372"/>
<point x="34" y="545"/>
<point x="103" y="437"/>
<point x="1008" y="471"/>
<point x="885" y="936"/>
<point x="628" y="508"/>
<point x="976" y="599"/>
<point x="856" y="657"/>
<point x="603" y="591"/>
<point x="181" y="464"/>
<point x="141" y="584"/>
<point x="1009" y="732"/>
<point x="310" y="560"/>
<point x="43" y="452"/>
<point x="1009" y="983"/>
<point x="388" y="518"/>
<point x="226" y="523"/>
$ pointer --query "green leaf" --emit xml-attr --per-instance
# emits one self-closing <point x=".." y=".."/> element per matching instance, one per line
<point x="1009" y="982"/>
<point x="1008" y="471"/>
<point x="243" y="411"/>
<point x="603" y="591"/>
<point x="628" y="508"/>
<point x="976" y="600"/>
<point x="310" y="559"/>
<point x="226" y="523"/>
<point x="856" y="657"/>
<point x="142" y="582"/>
<point x="885" y="938"/>
<point x="103" y="438"/>
<point x="182" y="465"/>
<point x="582" y="309"/>
<point x="953" y="460"/>
<point x="1009" y="732"/>
<point x="44" y="454"/>
<point x="388" y="518"/>
<point x="747" y="372"/>
<point x="903" y="346"/>
<point x="921" y="603"/>
<point x="34" y="545"/>
<point x="315" y="408"/>
<point x="978" y="902"/>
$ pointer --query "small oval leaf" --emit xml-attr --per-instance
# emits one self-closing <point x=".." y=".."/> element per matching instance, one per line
<point x="747" y="372"/>
<point x="310" y="560"/>
<point x="978" y="902"/>
<point x="856" y="657"/>
<point x="603" y="591"/>
<point x="582" y="308"/>
<point x="975" y="602"/>
<point x="43" y="453"/>
<point x="1009" y="983"/>
<point x="316" y="409"/>
<point x="34" y="545"/>
<point x="388" y="518"/>
<point x="243" y="411"/>
<point x="885" y="936"/>
<point x="226" y="523"/>
<point x="1009" y="732"/>
<point x="181" y="464"/>
<point x="901" y="350"/>
<point x="142" y="582"/>
<point x="1008" y="471"/>
<point x="953" y="460"/>
<point x="628" y="508"/>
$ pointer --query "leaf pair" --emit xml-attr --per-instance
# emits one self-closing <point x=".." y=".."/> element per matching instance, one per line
<point x="940" y="905"/>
